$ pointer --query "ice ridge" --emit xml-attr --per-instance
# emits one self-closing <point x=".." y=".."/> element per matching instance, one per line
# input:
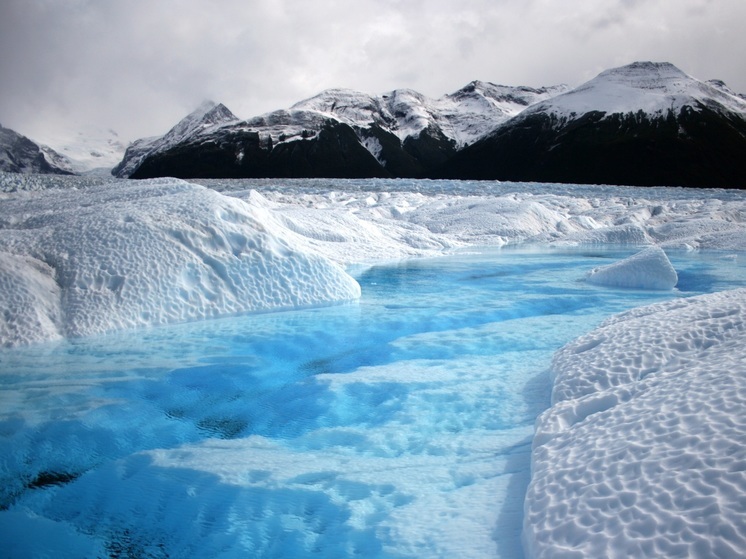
<point x="149" y="253"/>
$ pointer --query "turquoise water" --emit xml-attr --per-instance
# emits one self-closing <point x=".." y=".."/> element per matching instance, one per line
<point x="398" y="426"/>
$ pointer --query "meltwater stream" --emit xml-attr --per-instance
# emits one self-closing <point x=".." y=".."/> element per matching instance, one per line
<point x="399" y="426"/>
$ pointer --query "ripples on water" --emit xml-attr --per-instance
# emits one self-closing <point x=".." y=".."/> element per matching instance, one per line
<point x="399" y="426"/>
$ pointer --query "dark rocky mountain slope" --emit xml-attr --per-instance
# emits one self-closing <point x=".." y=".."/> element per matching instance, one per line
<point x="338" y="133"/>
<point x="18" y="154"/>
<point x="644" y="124"/>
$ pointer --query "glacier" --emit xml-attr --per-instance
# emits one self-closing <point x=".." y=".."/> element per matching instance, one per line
<point x="639" y="453"/>
<point x="142" y="254"/>
<point x="69" y="268"/>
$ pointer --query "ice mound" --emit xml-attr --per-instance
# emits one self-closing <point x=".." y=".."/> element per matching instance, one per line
<point x="648" y="269"/>
<point x="359" y="237"/>
<point x="642" y="454"/>
<point x="497" y="221"/>
<point x="29" y="298"/>
<point x="132" y="254"/>
<point x="626" y="234"/>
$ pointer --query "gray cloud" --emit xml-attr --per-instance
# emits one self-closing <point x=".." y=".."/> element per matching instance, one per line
<point x="138" y="66"/>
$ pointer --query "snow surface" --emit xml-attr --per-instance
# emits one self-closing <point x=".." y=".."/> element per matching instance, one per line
<point x="641" y="453"/>
<point x="154" y="252"/>
<point x="200" y="254"/>
<point x="648" y="269"/>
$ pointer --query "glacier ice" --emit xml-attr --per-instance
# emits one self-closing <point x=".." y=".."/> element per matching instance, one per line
<point x="648" y="269"/>
<point x="149" y="253"/>
<point x="95" y="256"/>
<point x="641" y="453"/>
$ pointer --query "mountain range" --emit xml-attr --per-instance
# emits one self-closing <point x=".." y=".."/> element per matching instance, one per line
<point x="642" y="124"/>
<point x="337" y="133"/>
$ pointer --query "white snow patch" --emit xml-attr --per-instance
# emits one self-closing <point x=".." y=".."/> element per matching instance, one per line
<point x="648" y="269"/>
<point x="375" y="148"/>
<point x="641" y="454"/>
<point x="29" y="299"/>
<point x="145" y="253"/>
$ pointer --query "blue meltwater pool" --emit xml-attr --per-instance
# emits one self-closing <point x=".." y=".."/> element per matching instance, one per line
<point x="398" y="426"/>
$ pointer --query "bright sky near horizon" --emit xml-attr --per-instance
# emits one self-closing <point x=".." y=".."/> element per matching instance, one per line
<point x="138" y="66"/>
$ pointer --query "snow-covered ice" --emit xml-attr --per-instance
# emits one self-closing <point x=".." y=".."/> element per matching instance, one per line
<point x="201" y="254"/>
<point x="640" y="452"/>
<point x="648" y="269"/>
<point x="139" y="254"/>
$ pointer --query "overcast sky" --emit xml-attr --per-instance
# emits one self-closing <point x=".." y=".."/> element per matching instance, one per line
<point x="138" y="66"/>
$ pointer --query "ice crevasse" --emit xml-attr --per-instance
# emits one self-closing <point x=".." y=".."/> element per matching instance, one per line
<point x="148" y="253"/>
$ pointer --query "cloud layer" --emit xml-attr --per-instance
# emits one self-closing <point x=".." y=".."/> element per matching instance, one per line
<point x="138" y="66"/>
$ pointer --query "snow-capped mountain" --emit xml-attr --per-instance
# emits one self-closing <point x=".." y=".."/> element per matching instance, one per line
<point x="400" y="133"/>
<point x="204" y="119"/>
<point x="642" y="124"/>
<point x="89" y="150"/>
<point x="477" y="108"/>
<point x="652" y="87"/>
<point x="463" y="116"/>
<point x="18" y="154"/>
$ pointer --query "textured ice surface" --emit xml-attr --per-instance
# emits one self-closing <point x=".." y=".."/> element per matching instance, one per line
<point x="29" y="297"/>
<point x="649" y="269"/>
<point x="137" y="254"/>
<point x="397" y="442"/>
<point x="642" y="454"/>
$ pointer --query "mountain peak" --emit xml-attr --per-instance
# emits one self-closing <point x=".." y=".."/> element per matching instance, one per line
<point x="204" y="107"/>
<point x="210" y="112"/>
<point x="662" y="76"/>
<point x="651" y="87"/>
<point x="647" y="123"/>
<point x="206" y="115"/>
<point x="647" y="68"/>
<point x="330" y="99"/>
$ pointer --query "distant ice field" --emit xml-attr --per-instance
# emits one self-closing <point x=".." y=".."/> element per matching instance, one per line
<point x="397" y="426"/>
